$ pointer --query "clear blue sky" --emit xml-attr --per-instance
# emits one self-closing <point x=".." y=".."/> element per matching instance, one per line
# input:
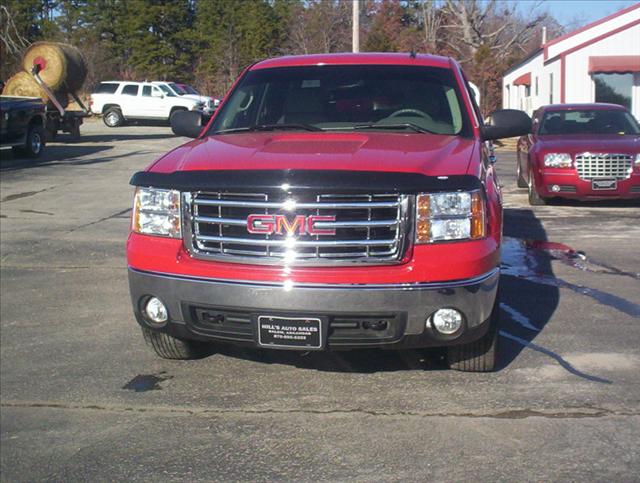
<point x="575" y="13"/>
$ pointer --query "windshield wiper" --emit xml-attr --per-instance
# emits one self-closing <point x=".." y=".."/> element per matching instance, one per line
<point x="270" y="127"/>
<point x="400" y="125"/>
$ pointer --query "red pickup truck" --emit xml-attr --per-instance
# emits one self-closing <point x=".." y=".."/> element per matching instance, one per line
<point x="333" y="202"/>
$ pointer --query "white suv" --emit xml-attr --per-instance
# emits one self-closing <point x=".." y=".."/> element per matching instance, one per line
<point x="173" y="88"/>
<point x="118" y="101"/>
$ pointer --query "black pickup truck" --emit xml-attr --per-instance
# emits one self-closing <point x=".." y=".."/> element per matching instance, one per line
<point x="22" y="125"/>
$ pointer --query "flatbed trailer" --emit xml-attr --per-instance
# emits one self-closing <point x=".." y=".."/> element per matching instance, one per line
<point x="58" y="118"/>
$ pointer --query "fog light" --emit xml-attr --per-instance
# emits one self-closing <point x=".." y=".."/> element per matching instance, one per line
<point x="555" y="188"/>
<point x="447" y="321"/>
<point x="156" y="311"/>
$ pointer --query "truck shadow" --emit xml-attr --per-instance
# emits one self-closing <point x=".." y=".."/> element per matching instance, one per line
<point x="526" y="304"/>
<point x="105" y="138"/>
<point x="596" y="204"/>
<point x="58" y="154"/>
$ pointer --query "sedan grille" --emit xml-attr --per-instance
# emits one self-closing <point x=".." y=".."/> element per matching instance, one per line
<point x="594" y="166"/>
<point x="368" y="228"/>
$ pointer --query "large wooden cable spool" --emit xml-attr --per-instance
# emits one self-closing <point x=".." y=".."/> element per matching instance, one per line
<point x="62" y="66"/>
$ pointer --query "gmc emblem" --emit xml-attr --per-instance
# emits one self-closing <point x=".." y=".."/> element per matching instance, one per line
<point x="280" y="225"/>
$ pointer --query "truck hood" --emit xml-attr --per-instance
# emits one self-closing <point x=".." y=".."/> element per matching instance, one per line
<point x="580" y="143"/>
<point x="429" y="154"/>
<point x="204" y="99"/>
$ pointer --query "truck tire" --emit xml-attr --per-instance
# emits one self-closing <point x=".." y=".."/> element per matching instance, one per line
<point x="480" y="355"/>
<point x="113" y="117"/>
<point x="534" y="198"/>
<point x="169" y="347"/>
<point x="33" y="145"/>
<point x="74" y="132"/>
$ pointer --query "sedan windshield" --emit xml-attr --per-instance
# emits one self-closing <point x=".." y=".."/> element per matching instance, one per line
<point x="364" y="97"/>
<point x="189" y="90"/>
<point x="591" y="121"/>
<point x="178" y="89"/>
<point x="166" y="90"/>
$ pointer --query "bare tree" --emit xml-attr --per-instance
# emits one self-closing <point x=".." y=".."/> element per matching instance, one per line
<point x="431" y="22"/>
<point x="14" y="44"/>
<point x="473" y="24"/>
<point x="321" y="26"/>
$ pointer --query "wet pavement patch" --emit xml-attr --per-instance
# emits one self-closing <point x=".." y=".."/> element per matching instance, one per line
<point x="147" y="382"/>
<point x="525" y="259"/>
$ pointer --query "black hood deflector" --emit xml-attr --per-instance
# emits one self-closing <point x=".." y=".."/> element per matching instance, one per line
<point x="321" y="181"/>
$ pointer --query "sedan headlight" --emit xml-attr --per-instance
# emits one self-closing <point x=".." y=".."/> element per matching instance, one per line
<point x="450" y="216"/>
<point x="157" y="212"/>
<point x="557" y="160"/>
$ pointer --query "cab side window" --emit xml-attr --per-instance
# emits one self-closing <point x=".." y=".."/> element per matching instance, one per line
<point x="130" y="90"/>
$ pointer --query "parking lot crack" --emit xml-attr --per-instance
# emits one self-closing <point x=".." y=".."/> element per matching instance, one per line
<point x="110" y="217"/>
<point x="523" y="413"/>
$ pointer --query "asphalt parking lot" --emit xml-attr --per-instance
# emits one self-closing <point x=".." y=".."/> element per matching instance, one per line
<point x="83" y="398"/>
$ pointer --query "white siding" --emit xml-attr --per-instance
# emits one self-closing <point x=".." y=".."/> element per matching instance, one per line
<point x="516" y="98"/>
<point x="578" y="83"/>
<point x="593" y="32"/>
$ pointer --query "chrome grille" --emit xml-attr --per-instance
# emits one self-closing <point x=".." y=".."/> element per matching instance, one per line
<point x="594" y="166"/>
<point x="369" y="228"/>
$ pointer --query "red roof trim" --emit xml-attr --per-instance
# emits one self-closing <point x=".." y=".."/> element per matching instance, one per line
<point x="523" y="80"/>
<point x="614" y="63"/>
<point x="593" y="24"/>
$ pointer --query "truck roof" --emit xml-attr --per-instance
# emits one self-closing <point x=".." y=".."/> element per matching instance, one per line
<point x="356" y="59"/>
<point x="586" y="105"/>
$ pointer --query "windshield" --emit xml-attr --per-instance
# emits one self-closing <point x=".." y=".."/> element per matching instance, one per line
<point x="166" y="90"/>
<point x="588" y="121"/>
<point x="382" y="97"/>
<point x="178" y="89"/>
<point x="189" y="90"/>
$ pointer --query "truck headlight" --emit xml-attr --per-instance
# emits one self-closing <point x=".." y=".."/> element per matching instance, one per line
<point x="637" y="160"/>
<point x="450" y="216"/>
<point x="156" y="212"/>
<point x="557" y="160"/>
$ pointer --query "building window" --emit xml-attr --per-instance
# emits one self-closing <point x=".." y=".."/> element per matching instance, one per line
<point x="527" y="91"/>
<point x="551" y="88"/>
<point x="536" y="86"/>
<point x="508" y="96"/>
<point x="614" y="88"/>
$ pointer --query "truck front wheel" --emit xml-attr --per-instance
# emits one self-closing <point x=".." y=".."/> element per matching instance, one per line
<point x="169" y="347"/>
<point x="480" y="355"/>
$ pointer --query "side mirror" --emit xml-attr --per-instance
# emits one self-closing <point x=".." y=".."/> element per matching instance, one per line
<point x="506" y="123"/>
<point x="186" y="123"/>
<point x="155" y="93"/>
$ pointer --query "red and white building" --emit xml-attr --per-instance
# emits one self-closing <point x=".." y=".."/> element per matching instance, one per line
<point x="596" y="63"/>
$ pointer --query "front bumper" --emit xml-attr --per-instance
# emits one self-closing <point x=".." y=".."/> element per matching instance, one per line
<point x="347" y="309"/>
<point x="571" y="186"/>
